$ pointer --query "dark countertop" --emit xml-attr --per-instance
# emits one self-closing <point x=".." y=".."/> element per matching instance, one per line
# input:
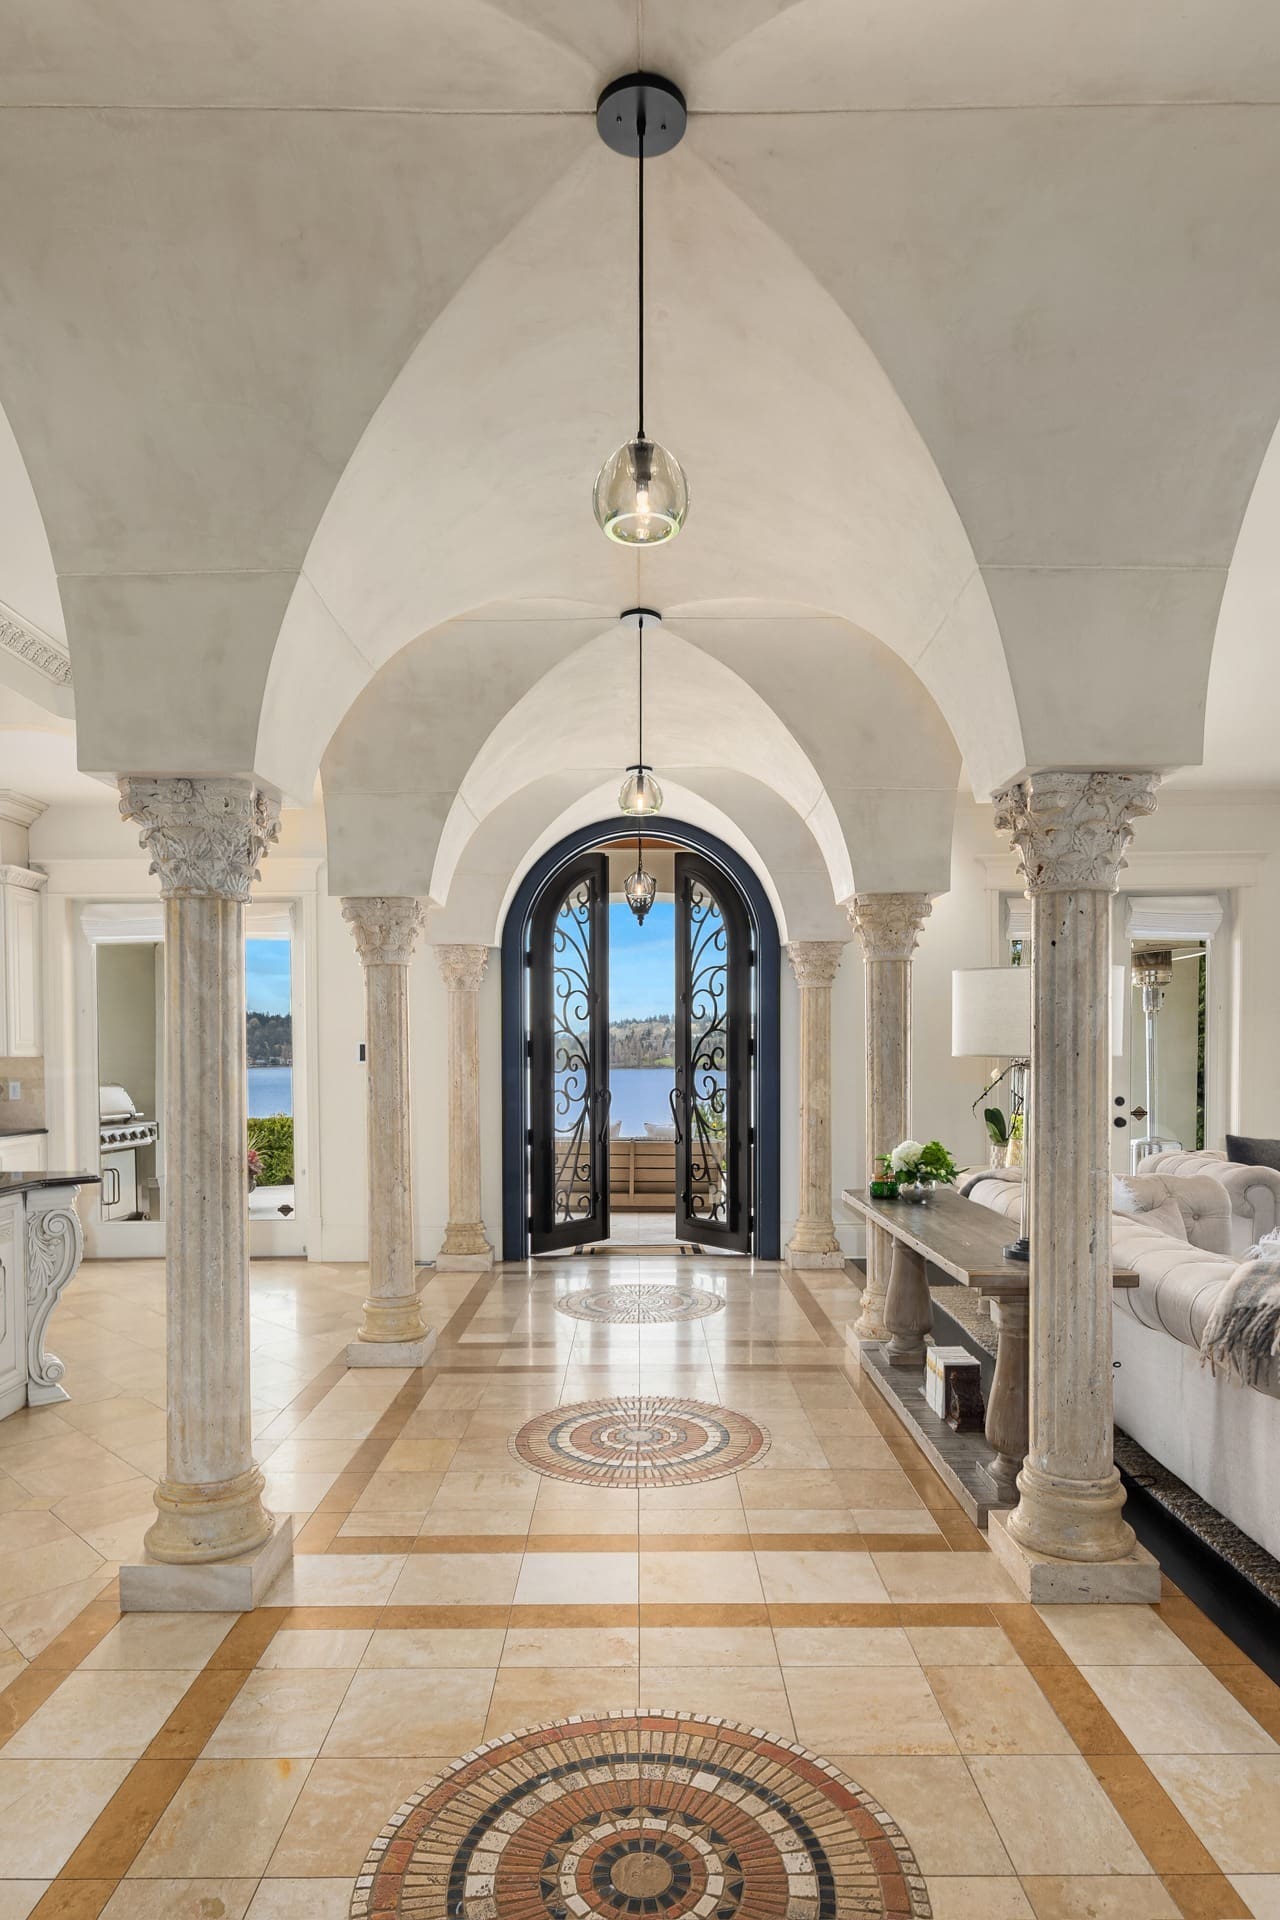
<point x="27" y="1182"/>
<point x="20" y="1133"/>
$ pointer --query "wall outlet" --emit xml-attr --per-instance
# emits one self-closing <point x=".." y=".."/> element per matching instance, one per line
<point x="15" y="1090"/>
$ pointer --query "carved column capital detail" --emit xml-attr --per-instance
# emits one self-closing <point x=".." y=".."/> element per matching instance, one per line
<point x="386" y="927"/>
<point x="888" y="925"/>
<point x="1070" y="830"/>
<point x="462" y="968"/>
<point x="204" y="835"/>
<point x="815" y="963"/>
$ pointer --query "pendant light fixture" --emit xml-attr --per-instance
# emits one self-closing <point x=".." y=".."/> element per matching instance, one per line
<point x="641" y="495"/>
<point x="640" y="887"/>
<point x="640" y="795"/>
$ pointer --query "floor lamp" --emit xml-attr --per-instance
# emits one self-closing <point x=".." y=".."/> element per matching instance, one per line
<point x="991" y="1017"/>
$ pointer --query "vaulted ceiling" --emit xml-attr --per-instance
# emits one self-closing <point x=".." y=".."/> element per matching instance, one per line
<point x="316" y="323"/>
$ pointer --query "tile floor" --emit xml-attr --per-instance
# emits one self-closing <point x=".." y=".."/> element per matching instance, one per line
<point x="1044" y="1764"/>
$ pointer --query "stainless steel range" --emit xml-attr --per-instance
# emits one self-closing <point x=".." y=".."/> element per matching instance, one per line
<point x="124" y="1133"/>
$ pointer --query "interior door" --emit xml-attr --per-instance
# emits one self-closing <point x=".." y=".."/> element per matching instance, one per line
<point x="568" y="965"/>
<point x="712" y="1101"/>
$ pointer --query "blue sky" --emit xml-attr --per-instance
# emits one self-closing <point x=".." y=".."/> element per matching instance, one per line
<point x="266" y="965"/>
<point x="641" y="961"/>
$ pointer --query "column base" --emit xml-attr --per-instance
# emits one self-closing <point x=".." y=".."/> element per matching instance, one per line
<point x="855" y="1340"/>
<point x="218" y="1586"/>
<point x="812" y="1259"/>
<point x="393" y="1320"/>
<point x="392" y="1353"/>
<point x="1045" y="1580"/>
<point x="465" y="1248"/>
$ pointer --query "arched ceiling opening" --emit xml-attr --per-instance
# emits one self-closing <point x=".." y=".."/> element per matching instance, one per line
<point x="486" y="868"/>
<point x="830" y="722"/>
<point x="960" y="318"/>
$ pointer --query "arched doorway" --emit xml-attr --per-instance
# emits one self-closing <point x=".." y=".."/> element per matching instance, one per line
<point x="555" y="1048"/>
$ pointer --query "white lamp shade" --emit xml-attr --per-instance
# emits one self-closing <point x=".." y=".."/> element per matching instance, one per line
<point x="991" y="1012"/>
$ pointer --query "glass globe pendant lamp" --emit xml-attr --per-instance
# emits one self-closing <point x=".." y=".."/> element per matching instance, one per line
<point x="641" y="495"/>
<point x="640" y="888"/>
<point x="640" y="795"/>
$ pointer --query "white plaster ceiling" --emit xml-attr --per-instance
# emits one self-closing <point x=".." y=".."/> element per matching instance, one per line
<point x="351" y="292"/>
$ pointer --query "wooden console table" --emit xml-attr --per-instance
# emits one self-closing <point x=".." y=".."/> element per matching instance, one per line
<point x="967" y="1241"/>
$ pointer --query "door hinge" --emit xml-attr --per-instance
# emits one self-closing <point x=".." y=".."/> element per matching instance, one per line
<point x="528" y="1049"/>
<point x="751" y="1047"/>
<point x="751" y="1136"/>
<point x="529" y="1224"/>
<point x="528" y="1136"/>
<point x="528" y="958"/>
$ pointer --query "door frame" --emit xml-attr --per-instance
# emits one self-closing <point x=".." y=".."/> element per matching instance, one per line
<point x="515" y="1112"/>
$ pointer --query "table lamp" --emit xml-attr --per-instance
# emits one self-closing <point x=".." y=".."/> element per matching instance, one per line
<point x="991" y="1015"/>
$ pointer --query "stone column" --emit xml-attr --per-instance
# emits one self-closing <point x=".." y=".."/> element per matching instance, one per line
<point x="466" y="1244"/>
<point x="1070" y="831"/>
<point x="888" y="927"/>
<point x="206" y="838"/>
<point x="814" y="1243"/>
<point x="392" y="1331"/>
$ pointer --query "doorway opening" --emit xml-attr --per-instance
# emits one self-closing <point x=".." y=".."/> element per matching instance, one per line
<point x="640" y="1097"/>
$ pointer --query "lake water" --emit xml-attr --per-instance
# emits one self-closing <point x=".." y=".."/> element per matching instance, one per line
<point x="640" y="1094"/>
<point x="271" y="1090"/>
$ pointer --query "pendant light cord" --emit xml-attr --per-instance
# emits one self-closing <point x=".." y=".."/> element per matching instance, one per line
<point x="640" y="280"/>
<point x="640" y="694"/>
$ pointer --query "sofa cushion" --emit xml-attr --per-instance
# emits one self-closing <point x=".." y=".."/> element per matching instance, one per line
<point x="1253" y="1150"/>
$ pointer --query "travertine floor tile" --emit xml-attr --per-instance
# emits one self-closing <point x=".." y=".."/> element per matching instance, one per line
<point x="911" y="1578"/>
<point x="528" y="1696"/>
<point x="877" y="1709"/>
<point x="342" y="1806"/>
<point x="935" y="1802"/>
<point x="1230" y="1800"/>
<point x="809" y="1577"/>
<point x="1053" y="1816"/>
<point x="179" y="1900"/>
<point x="962" y="1646"/>
<point x="571" y="1647"/>
<point x="100" y="1716"/>
<point x="435" y="1647"/>
<point x="1261" y="1893"/>
<point x="685" y="1647"/>
<point x="457" y="1579"/>
<point x="998" y="1710"/>
<point x="577" y="1579"/>
<point x="1177" y="1710"/>
<point x="302" y="1899"/>
<point x="284" y="1713"/>
<point x="224" y="1819"/>
<point x="392" y="1711"/>
<point x="844" y="1647"/>
<point x="1122" y="1897"/>
<point x="339" y="1647"/>
<point x="1116" y="1637"/>
<point x="184" y="1640"/>
<point x="755" y="1696"/>
<point x="692" y="1578"/>
<point x="954" y="1898"/>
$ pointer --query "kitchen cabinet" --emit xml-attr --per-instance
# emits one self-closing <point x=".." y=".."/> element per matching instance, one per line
<point x="24" y="1152"/>
<point x="21" y="1014"/>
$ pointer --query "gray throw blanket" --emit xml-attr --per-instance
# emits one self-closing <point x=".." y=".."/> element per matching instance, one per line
<point x="1243" y="1332"/>
<point x="968" y="1181"/>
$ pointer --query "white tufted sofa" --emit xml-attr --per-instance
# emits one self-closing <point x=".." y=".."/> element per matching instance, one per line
<point x="1254" y="1191"/>
<point x="1221" y="1438"/>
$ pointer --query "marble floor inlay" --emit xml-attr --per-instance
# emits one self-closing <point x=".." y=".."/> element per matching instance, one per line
<point x="639" y="1440"/>
<point x="641" y="1813"/>
<point x="641" y="1304"/>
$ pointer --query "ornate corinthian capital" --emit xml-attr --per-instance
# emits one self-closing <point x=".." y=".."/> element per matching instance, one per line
<point x="1070" y="830"/>
<point x="814" y="963"/>
<point x="386" y="928"/>
<point x="462" y="967"/>
<point x="204" y="835"/>
<point x="888" y="924"/>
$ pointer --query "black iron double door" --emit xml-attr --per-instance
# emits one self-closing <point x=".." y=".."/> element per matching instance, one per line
<point x="567" y="958"/>
<point x="568" y="1009"/>
<point x="713" y="1096"/>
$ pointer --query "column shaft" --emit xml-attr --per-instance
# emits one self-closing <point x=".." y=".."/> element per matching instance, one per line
<point x="205" y="837"/>
<point x="888" y="926"/>
<point x="814" y="1242"/>
<point x="466" y="1243"/>
<point x="1071" y="830"/>
<point x="392" y="1330"/>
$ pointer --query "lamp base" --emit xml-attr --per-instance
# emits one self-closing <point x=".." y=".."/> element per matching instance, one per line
<point x="1019" y="1249"/>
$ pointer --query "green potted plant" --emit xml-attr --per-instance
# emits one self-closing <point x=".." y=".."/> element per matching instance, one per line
<point x="997" y="1134"/>
<point x="919" y="1167"/>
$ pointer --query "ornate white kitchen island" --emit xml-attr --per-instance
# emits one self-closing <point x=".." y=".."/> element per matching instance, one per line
<point x="41" y="1246"/>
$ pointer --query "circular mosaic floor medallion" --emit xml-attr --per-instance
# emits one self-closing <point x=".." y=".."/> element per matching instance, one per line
<point x="639" y="1440"/>
<point x="644" y="1304"/>
<point x="641" y="1813"/>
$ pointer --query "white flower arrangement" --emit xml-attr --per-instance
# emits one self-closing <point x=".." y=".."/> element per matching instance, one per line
<point x="905" y="1157"/>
